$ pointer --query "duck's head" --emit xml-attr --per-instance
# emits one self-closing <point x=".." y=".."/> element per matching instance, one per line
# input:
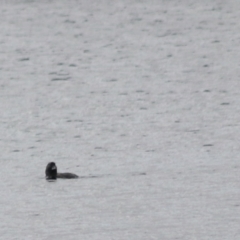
<point x="51" y="171"/>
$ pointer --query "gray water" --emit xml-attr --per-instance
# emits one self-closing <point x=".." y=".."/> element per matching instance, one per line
<point x="143" y="95"/>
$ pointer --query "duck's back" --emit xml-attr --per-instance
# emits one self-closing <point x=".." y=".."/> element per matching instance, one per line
<point x="67" y="175"/>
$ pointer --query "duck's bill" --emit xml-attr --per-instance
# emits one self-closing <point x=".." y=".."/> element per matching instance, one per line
<point x="53" y="168"/>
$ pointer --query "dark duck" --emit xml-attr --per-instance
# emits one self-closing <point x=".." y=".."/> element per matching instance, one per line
<point x="52" y="174"/>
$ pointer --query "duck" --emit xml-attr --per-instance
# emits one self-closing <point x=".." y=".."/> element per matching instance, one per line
<point x="52" y="174"/>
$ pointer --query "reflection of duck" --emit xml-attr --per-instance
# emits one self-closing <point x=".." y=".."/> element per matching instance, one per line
<point x="51" y="172"/>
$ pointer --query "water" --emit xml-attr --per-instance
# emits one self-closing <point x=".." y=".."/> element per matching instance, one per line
<point x="141" y="95"/>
